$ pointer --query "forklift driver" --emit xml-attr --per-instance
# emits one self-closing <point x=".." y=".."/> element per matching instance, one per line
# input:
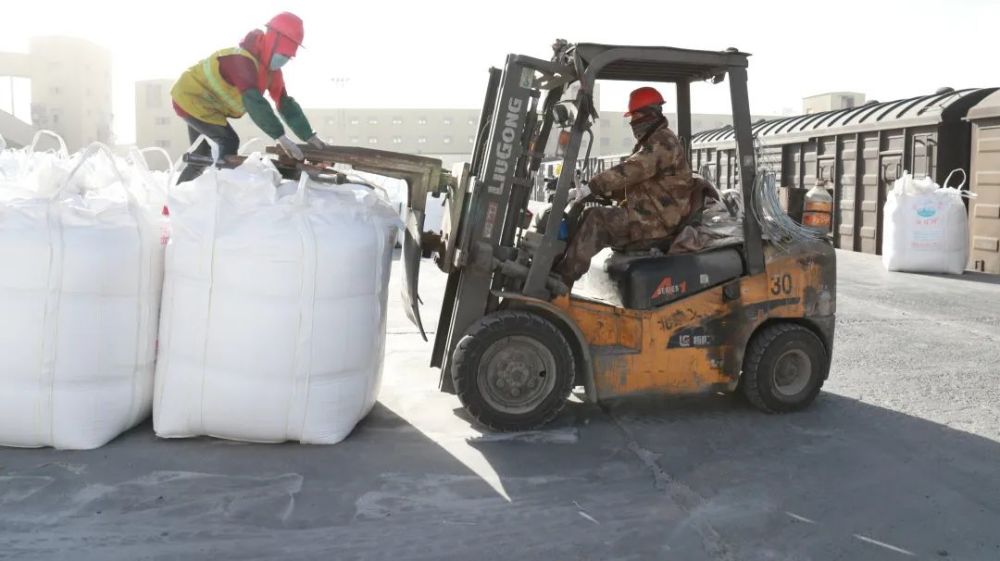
<point x="654" y="188"/>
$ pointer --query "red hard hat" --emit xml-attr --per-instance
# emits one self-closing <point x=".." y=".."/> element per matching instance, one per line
<point x="288" y="27"/>
<point x="643" y="97"/>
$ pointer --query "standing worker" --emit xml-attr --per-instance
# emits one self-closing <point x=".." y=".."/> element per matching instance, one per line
<point x="231" y="82"/>
<point x="654" y="187"/>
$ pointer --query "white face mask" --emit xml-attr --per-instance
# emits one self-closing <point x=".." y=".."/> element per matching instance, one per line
<point x="278" y="60"/>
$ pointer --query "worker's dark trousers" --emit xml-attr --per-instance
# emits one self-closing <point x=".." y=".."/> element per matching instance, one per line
<point x="225" y="137"/>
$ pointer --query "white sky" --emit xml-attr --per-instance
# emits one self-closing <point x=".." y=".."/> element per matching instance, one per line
<point x="428" y="53"/>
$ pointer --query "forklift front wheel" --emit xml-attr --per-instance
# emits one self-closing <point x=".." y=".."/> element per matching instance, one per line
<point x="784" y="368"/>
<point x="513" y="371"/>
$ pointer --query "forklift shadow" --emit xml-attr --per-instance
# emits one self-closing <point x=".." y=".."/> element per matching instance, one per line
<point x="830" y="412"/>
<point x="836" y="427"/>
<point x="576" y="413"/>
<point x="838" y="442"/>
<point x="668" y="407"/>
<point x="840" y="470"/>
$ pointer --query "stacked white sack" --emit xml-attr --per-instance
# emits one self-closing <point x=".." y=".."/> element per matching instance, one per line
<point x="79" y="297"/>
<point x="925" y="228"/>
<point x="274" y="307"/>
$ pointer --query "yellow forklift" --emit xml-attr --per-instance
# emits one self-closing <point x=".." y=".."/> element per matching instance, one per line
<point x="755" y="317"/>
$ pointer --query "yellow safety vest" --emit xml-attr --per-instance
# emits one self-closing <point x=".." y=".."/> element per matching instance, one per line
<point x="205" y="95"/>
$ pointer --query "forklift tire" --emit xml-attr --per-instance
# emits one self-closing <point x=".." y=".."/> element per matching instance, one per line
<point x="513" y="371"/>
<point x="784" y="368"/>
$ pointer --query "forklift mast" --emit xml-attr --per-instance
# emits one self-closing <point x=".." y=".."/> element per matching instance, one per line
<point x="495" y="189"/>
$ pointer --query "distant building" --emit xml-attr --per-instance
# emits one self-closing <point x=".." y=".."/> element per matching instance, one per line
<point x="15" y="132"/>
<point x="441" y="133"/>
<point x="447" y="134"/>
<point x="613" y="134"/>
<point x="156" y="124"/>
<point x="70" y="85"/>
<point x="832" y="101"/>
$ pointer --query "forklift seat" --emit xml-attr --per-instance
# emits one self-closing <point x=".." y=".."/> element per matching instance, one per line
<point x="648" y="281"/>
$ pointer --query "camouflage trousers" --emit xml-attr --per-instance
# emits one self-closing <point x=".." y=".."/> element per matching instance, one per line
<point x="600" y="227"/>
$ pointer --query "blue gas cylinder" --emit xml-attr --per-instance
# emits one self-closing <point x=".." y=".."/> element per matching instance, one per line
<point x="563" y="230"/>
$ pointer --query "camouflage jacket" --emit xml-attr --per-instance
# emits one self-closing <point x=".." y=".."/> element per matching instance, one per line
<point x="654" y="185"/>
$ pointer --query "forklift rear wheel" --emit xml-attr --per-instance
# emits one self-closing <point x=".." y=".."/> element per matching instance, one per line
<point x="784" y="368"/>
<point x="513" y="371"/>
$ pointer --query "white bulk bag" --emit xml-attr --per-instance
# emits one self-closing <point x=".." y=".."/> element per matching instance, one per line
<point x="159" y="181"/>
<point x="274" y="307"/>
<point x="79" y="295"/>
<point x="29" y="172"/>
<point x="925" y="228"/>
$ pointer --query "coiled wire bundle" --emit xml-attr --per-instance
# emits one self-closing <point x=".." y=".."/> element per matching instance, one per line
<point x="775" y="224"/>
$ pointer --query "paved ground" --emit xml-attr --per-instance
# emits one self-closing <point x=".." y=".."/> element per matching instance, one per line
<point x="898" y="459"/>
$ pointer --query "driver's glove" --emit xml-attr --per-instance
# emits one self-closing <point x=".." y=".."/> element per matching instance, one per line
<point x="577" y="194"/>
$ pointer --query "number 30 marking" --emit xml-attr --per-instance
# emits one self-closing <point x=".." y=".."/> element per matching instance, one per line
<point x="781" y="284"/>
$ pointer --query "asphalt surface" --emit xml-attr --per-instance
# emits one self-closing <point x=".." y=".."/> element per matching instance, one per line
<point x="899" y="458"/>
